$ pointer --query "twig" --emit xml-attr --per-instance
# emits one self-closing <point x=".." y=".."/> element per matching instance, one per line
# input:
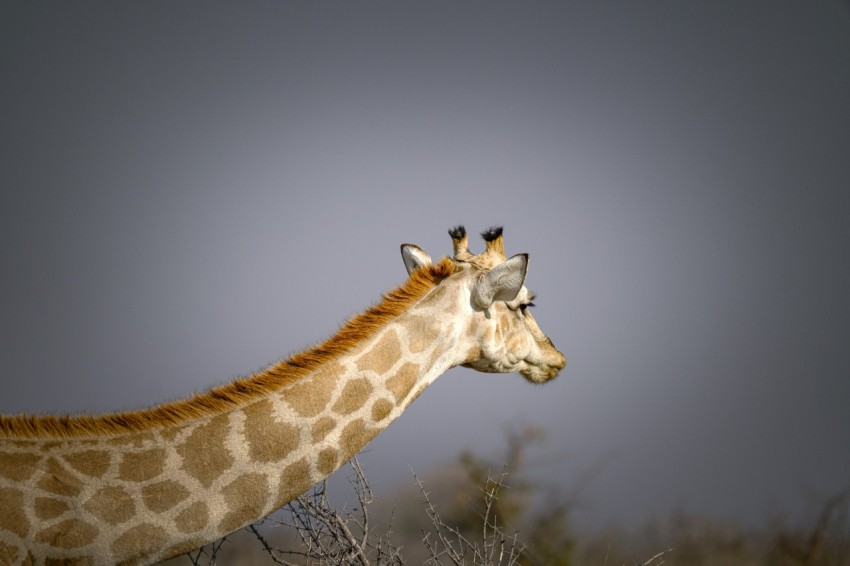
<point x="657" y="557"/>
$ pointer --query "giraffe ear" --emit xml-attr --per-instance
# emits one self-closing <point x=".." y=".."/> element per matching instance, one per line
<point x="502" y="283"/>
<point x="414" y="257"/>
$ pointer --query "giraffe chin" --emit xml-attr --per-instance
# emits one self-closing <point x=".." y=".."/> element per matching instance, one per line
<point x="536" y="374"/>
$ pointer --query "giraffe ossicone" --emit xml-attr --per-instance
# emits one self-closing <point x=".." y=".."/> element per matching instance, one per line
<point x="140" y="487"/>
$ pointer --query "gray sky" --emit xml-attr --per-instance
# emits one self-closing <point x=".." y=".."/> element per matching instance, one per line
<point x="191" y="191"/>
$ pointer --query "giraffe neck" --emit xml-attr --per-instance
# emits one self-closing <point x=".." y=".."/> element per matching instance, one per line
<point x="149" y="495"/>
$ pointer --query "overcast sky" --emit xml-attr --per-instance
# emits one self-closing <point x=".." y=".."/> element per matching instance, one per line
<point x="191" y="191"/>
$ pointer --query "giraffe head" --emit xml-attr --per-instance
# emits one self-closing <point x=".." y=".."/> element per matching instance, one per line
<point x="497" y="331"/>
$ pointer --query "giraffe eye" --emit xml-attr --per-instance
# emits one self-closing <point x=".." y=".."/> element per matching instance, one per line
<point x="524" y="306"/>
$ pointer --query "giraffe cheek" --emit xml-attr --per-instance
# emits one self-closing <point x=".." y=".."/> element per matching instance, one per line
<point x="518" y="349"/>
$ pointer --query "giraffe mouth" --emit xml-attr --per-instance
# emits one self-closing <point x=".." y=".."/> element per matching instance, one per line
<point x="543" y="372"/>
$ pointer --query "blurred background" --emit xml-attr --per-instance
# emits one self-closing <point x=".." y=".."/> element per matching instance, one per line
<point x="190" y="191"/>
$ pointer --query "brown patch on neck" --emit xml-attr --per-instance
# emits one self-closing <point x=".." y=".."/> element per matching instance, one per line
<point x="240" y="391"/>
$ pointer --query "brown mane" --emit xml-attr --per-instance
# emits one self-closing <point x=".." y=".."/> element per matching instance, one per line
<point x="238" y="392"/>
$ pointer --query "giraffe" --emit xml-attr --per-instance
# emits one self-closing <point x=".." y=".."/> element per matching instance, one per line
<point x="140" y="487"/>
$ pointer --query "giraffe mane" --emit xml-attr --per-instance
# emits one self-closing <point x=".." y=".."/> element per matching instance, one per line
<point x="242" y="390"/>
